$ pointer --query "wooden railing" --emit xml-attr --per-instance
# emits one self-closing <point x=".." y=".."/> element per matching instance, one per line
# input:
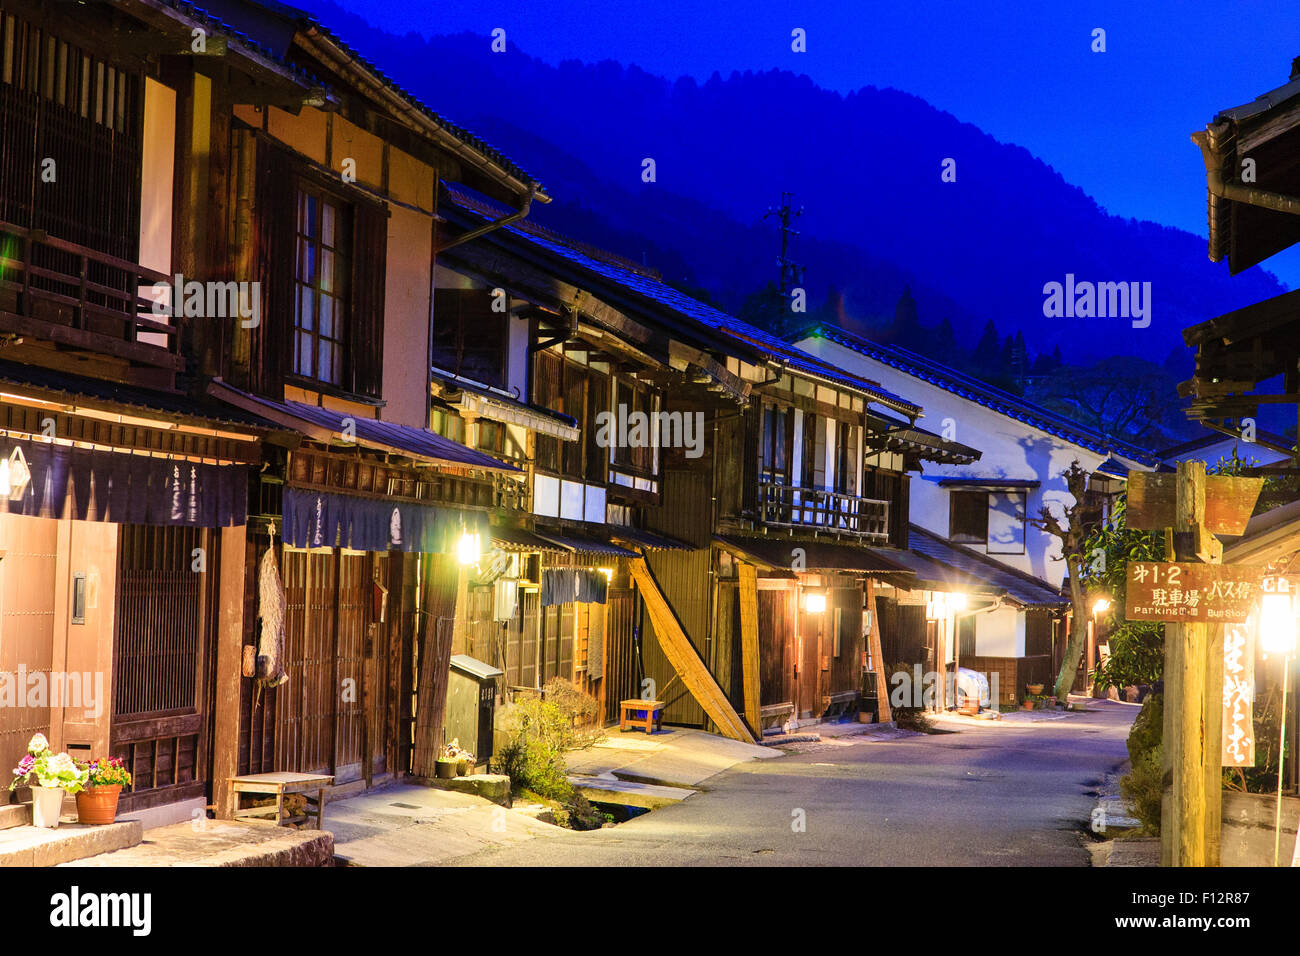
<point x="78" y="297"/>
<point x="512" y="494"/>
<point x="786" y="506"/>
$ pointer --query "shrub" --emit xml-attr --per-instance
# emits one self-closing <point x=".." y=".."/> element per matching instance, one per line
<point x="1142" y="786"/>
<point x="538" y="730"/>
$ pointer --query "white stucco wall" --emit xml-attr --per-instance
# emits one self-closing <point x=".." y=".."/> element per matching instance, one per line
<point x="1000" y="633"/>
<point x="1011" y="449"/>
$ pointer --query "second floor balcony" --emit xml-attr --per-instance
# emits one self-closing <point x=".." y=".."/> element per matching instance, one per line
<point x="787" y="506"/>
<point x="82" y="300"/>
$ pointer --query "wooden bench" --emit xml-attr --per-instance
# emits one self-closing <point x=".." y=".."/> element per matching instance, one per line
<point x="842" y="704"/>
<point x="279" y="785"/>
<point x="651" y="712"/>
<point x="775" y="715"/>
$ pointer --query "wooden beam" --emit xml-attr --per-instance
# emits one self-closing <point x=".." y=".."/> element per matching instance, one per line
<point x="885" y="714"/>
<point x="230" y="651"/>
<point x="749" y="646"/>
<point x="683" y="656"/>
<point x="1183" y="820"/>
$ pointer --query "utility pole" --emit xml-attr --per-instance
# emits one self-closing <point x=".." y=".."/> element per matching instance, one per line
<point x="791" y="272"/>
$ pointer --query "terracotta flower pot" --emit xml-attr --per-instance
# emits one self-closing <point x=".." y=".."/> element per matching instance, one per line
<point x="98" y="805"/>
<point x="1027" y="705"/>
<point x="47" y="803"/>
<point x="1035" y="689"/>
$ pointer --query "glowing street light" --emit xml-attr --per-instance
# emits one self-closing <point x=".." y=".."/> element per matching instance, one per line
<point x="467" y="550"/>
<point x="1100" y="606"/>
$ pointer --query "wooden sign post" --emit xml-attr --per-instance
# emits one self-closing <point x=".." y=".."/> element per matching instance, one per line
<point x="1194" y="507"/>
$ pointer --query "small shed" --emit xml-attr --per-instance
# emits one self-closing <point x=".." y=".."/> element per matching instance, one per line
<point x="471" y="705"/>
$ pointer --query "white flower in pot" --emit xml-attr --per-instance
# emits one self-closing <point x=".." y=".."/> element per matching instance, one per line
<point x="56" y="774"/>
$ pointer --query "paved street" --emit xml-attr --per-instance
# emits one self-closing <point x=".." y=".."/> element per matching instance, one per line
<point x="1011" y="793"/>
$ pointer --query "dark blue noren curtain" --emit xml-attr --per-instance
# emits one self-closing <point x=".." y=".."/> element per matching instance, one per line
<point x="322" y="519"/>
<point x="562" y="585"/>
<point x="91" y="484"/>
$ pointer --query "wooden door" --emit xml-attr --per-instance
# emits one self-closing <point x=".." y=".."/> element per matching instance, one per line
<point x="811" y="629"/>
<point x="28" y="557"/>
<point x="777" y="660"/>
<point x="622" y="669"/>
<point x="161" y="655"/>
<point x="332" y="711"/>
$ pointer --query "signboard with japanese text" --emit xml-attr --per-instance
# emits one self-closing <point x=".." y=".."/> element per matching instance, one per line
<point x="1239" y="695"/>
<point x="1191" y="593"/>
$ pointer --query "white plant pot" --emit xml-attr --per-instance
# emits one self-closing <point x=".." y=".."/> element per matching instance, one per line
<point x="47" y="803"/>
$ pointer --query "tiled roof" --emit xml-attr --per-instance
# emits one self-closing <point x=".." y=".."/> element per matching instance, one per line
<point x="1024" y="589"/>
<point x="302" y="18"/>
<point x="316" y="421"/>
<point x="73" y="389"/>
<point x="646" y="286"/>
<point x="990" y="396"/>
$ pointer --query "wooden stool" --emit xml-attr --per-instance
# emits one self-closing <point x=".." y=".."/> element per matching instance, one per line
<point x="652" y="711"/>
<point x="279" y="785"/>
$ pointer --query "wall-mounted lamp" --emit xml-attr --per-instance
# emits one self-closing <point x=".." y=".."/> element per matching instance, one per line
<point x="814" y="603"/>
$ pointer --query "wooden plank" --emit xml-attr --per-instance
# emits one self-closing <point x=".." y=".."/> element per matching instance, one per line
<point x="229" y="651"/>
<point x="681" y="654"/>
<point x="749" y="645"/>
<point x="885" y="715"/>
<point x="1229" y="502"/>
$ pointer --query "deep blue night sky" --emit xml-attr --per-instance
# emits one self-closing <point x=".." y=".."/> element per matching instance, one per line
<point x="1115" y="123"/>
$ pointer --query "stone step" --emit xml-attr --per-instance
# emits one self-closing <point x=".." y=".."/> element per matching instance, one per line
<point x="42" y="846"/>
<point x="222" y="843"/>
<point x="15" y="815"/>
<point x="629" y="793"/>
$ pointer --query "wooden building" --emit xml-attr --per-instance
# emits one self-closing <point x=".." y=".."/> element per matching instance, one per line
<point x="209" y="309"/>
<point x="787" y="452"/>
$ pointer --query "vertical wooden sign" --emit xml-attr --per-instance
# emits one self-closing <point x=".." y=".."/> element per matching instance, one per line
<point x="1238" y="695"/>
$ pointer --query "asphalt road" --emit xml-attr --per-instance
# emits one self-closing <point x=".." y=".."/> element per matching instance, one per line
<point x="1003" y="795"/>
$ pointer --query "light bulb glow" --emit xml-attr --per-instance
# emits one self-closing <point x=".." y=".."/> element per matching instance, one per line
<point x="815" y="603"/>
<point x="1277" y="624"/>
<point x="467" y="550"/>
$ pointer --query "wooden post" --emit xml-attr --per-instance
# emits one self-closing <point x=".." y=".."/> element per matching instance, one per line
<point x="230" y="653"/>
<point x="1187" y="760"/>
<point x="884" y="714"/>
<point x="749" y="646"/>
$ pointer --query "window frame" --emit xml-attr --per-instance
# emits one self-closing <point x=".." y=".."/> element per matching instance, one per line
<point x="967" y="537"/>
<point x="343" y="250"/>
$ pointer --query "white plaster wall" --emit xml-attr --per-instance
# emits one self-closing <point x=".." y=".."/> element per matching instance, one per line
<point x="1011" y="449"/>
<point x="1000" y="633"/>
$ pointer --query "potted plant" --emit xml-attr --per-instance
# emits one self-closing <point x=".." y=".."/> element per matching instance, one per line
<point x="55" y="774"/>
<point x="455" y="760"/>
<point x="1034" y="689"/>
<point x="97" y="802"/>
<point x="1027" y="703"/>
